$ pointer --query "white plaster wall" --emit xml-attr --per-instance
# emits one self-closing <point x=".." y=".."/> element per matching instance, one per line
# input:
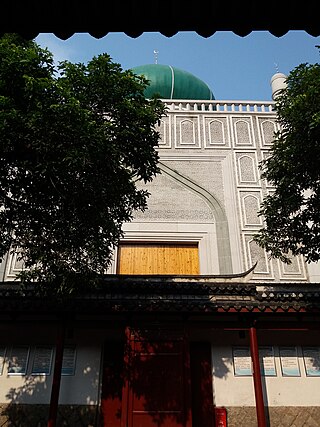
<point x="24" y="388"/>
<point x="231" y="390"/>
<point x="314" y="272"/>
<point x="228" y="389"/>
<point x="81" y="388"/>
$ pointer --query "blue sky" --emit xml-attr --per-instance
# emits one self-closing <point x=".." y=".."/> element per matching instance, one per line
<point x="235" y="68"/>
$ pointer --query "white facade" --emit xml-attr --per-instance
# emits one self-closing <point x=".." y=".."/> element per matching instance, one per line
<point x="209" y="192"/>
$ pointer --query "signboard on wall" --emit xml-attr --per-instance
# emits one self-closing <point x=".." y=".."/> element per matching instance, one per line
<point x="18" y="360"/>
<point x="42" y="361"/>
<point x="311" y="357"/>
<point x="68" y="361"/>
<point x="243" y="365"/>
<point x="289" y="361"/>
<point x="241" y="361"/>
<point x="267" y="363"/>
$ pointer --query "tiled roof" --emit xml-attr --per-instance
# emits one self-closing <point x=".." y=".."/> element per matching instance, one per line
<point x="171" y="294"/>
<point x="134" y="17"/>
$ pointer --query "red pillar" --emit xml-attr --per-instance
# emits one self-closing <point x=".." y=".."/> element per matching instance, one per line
<point x="127" y="371"/>
<point x="254" y="349"/>
<point x="54" y="400"/>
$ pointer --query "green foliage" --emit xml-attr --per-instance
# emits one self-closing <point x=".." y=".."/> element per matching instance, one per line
<point x="292" y="212"/>
<point x="73" y="143"/>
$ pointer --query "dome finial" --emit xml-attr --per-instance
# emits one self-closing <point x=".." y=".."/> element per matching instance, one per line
<point x="155" y="52"/>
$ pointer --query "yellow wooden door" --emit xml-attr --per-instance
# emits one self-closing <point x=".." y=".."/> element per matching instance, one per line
<point x="158" y="258"/>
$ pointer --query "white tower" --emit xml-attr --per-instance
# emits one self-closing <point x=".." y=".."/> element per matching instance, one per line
<point x="278" y="82"/>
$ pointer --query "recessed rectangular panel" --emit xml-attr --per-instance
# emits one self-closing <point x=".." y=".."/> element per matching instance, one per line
<point x="158" y="258"/>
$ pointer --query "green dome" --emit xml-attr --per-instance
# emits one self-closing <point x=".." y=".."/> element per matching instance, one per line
<point x="171" y="83"/>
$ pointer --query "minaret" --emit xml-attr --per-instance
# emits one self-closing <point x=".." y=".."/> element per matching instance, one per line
<point x="278" y="82"/>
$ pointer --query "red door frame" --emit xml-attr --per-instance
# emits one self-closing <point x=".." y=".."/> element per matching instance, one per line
<point x="201" y="384"/>
<point x="127" y="398"/>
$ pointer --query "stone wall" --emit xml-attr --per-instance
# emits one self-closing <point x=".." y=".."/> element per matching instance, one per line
<point x="292" y="416"/>
<point x="13" y="415"/>
<point x="87" y="416"/>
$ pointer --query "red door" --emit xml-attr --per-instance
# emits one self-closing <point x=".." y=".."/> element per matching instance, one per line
<point x="158" y="388"/>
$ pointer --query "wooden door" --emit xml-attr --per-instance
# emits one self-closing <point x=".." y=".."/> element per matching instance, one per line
<point x="147" y="382"/>
<point x="159" y="383"/>
<point x="158" y="258"/>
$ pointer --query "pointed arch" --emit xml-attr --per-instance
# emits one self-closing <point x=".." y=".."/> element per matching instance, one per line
<point x="222" y="228"/>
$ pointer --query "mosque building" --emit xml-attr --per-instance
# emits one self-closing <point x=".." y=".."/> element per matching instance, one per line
<point x="194" y="326"/>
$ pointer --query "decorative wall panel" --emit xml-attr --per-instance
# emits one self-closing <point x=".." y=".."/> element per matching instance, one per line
<point x="247" y="168"/>
<point x="243" y="135"/>
<point x="14" y="266"/>
<point x="250" y="204"/>
<point x="264" y="156"/>
<point x="267" y="130"/>
<point x="165" y="133"/>
<point x="257" y="254"/>
<point x="187" y="132"/>
<point x="216" y="132"/>
<point x="293" y="271"/>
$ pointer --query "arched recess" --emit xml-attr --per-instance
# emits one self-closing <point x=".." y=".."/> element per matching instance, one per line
<point x="222" y="228"/>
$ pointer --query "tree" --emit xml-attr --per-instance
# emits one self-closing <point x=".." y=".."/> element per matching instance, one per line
<point x="292" y="212"/>
<point x="73" y="143"/>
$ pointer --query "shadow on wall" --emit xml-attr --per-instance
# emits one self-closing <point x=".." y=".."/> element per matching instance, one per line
<point x="22" y="412"/>
<point x="152" y="372"/>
